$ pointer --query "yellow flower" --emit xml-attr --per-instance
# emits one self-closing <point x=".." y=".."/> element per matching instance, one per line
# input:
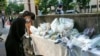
<point x="37" y="2"/>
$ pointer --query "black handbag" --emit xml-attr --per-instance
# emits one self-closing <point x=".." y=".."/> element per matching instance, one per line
<point x="28" y="47"/>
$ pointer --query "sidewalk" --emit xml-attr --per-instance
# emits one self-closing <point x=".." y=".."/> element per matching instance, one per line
<point x="2" y="49"/>
<point x="4" y="32"/>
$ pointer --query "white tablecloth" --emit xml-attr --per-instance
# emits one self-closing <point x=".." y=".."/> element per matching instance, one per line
<point x="46" y="47"/>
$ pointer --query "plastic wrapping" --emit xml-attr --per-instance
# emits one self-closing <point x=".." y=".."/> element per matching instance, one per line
<point x="61" y="24"/>
<point x="67" y="23"/>
<point x="43" y="29"/>
<point x="54" y="25"/>
<point x="74" y="33"/>
<point x="81" y="41"/>
<point x="95" y="43"/>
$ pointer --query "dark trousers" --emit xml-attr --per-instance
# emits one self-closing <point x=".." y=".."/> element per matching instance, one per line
<point x="3" y="23"/>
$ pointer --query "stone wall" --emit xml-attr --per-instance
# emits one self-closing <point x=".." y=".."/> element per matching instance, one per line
<point x="82" y="21"/>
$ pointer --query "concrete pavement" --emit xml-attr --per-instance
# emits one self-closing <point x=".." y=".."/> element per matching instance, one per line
<point x="2" y="49"/>
<point x="4" y="32"/>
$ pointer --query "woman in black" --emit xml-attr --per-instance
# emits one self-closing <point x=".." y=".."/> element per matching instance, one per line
<point x="13" y="44"/>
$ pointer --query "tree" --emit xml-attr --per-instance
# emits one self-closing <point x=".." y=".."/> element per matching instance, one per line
<point x="37" y="2"/>
<point x="14" y="8"/>
<point x="66" y="4"/>
<point x="83" y="4"/>
<point x="21" y="7"/>
<point x="53" y="3"/>
<point x="44" y="4"/>
<point x="8" y="10"/>
<point x="2" y="4"/>
<point x="73" y="5"/>
<point x="36" y="5"/>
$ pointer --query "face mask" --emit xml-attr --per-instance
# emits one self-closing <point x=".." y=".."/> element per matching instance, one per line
<point x="27" y="20"/>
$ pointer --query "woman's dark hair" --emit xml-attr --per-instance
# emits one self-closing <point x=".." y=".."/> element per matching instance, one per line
<point x="28" y="13"/>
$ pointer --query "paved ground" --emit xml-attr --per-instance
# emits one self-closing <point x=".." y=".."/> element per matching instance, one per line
<point x="4" y="32"/>
<point x="2" y="49"/>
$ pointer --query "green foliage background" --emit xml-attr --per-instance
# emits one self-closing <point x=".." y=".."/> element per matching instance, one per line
<point x="13" y="7"/>
<point x="44" y="4"/>
<point x="3" y="5"/>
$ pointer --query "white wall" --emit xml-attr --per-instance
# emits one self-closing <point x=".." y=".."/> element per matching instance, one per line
<point x="93" y="2"/>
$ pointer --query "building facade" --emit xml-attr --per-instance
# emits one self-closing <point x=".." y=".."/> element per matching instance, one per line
<point x="94" y="5"/>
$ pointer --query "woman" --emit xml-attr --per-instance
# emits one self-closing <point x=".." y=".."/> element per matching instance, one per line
<point x="59" y="9"/>
<point x="28" y="49"/>
<point x="3" y="21"/>
<point x="13" y="44"/>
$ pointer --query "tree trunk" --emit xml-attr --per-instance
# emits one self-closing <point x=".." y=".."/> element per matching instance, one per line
<point x="84" y="9"/>
<point x="29" y="5"/>
<point x="88" y="7"/>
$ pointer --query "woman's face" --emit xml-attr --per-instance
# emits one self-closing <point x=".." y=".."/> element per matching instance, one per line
<point x="27" y="18"/>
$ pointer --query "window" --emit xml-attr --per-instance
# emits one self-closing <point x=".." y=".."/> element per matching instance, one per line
<point x="87" y="6"/>
<point x="94" y="6"/>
